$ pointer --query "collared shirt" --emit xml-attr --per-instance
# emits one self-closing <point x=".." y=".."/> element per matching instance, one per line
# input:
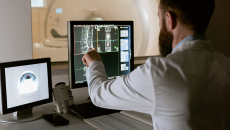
<point x="190" y="38"/>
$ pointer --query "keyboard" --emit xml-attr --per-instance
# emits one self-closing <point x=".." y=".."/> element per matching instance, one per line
<point x="88" y="110"/>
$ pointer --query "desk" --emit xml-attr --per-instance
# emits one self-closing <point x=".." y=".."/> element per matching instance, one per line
<point x="76" y="123"/>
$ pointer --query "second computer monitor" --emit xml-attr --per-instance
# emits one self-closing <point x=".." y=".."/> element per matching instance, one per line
<point x="24" y="85"/>
<point x="113" y="40"/>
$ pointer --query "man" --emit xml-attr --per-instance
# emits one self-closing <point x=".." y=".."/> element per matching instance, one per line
<point x="186" y="88"/>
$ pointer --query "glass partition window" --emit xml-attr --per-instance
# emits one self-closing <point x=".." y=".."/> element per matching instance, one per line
<point x="49" y="23"/>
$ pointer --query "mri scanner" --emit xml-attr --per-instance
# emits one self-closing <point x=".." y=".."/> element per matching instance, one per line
<point x="142" y="12"/>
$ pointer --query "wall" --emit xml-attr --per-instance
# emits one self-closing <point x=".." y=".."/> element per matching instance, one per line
<point x="219" y="28"/>
<point x="15" y="30"/>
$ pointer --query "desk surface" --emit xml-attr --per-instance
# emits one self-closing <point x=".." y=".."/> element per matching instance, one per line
<point x="76" y="123"/>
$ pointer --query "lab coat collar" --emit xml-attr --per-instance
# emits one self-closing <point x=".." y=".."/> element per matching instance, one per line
<point x="195" y="45"/>
<point x="190" y="38"/>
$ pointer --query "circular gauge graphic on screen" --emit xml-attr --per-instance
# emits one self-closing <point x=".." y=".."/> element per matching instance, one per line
<point x="28" y="83"/>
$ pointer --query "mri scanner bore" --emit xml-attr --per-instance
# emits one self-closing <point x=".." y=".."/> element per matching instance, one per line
<point x="26" y="84"/>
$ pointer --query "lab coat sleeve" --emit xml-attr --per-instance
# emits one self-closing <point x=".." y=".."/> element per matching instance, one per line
<point x="134" y="91"/>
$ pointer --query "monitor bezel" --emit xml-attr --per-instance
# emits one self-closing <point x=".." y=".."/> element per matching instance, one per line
<point x="70" y="25"/>
<point x="6" y="110"/>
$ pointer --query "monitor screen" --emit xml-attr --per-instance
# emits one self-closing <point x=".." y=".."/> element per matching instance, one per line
<point x="25" y="84"/>
<point x="113" y="40"/>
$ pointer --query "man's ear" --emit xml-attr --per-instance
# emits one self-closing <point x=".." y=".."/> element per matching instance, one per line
<point x="170" y="21"/>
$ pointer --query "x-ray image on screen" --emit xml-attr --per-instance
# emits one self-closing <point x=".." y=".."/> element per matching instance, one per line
<point x="26" y="84"/>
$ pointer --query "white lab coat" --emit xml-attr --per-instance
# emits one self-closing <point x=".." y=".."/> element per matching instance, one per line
<point x="177" y="90"/>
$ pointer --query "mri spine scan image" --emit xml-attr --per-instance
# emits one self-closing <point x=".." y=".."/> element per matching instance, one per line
<point x="86" y="39"/>
<point x="107" y="39"/>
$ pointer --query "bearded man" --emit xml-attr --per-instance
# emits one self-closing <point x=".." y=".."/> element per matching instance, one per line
<point x="187" y="88"/>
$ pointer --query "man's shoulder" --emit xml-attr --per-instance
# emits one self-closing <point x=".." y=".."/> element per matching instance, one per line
<point x="194" y="55"/>
<point x="195" y="45"/>
<point x="159" y="60"/>
<point x="162" y="63"/>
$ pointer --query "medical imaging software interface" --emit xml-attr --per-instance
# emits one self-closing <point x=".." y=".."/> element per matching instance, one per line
<point x="112" y="42"/>
<point x="26" y="84"/>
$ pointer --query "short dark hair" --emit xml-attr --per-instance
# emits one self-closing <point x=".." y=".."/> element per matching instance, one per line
<point x="195" y="14"/>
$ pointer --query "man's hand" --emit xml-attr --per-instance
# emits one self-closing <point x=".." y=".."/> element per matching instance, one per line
<point x="91" y="56"/>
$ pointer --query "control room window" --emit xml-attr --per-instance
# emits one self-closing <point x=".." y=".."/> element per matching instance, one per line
<point x="49" y="23"/>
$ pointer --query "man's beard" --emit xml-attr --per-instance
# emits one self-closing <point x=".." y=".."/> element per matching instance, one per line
<point x="165" y="40"/>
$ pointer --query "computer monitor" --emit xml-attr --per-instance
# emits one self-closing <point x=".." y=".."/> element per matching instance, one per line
<point x="24" y="84"/>
<point x="113" y="40"/>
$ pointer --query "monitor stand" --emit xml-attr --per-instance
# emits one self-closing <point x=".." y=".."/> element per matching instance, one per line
<point x="25" y="115"/>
